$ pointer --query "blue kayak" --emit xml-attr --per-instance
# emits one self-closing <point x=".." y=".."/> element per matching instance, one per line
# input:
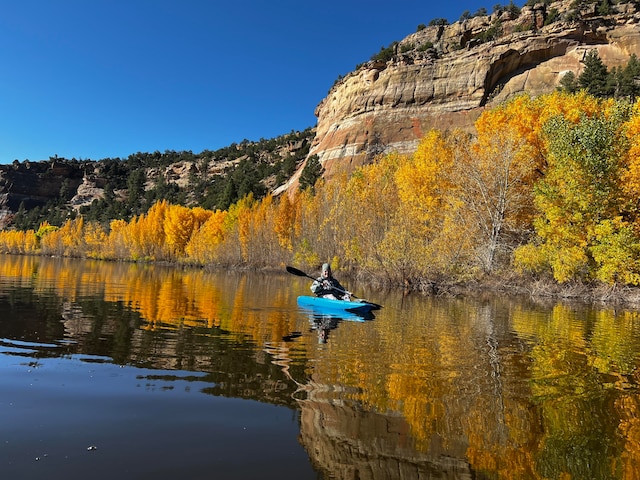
<point x="327" y="305"/>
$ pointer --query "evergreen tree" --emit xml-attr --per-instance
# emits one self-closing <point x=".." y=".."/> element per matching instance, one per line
<point x="135" y="187"/>
<point x="595" y="77"/>
<point x="604" y="8"/>
<point x="311" y="172"/>
<point x="20" y="218"/>
<point x="629" y="79"/>
<point x="569" y="83"/>
<point x="228" y="196"/>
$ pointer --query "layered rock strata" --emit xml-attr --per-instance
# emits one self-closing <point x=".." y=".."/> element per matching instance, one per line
<point x="443" y="76"/>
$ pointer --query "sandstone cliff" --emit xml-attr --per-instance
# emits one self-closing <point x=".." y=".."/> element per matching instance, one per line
<point x="444" y="75"/>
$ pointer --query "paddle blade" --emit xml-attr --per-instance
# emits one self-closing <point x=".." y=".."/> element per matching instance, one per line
<point x="297" y="272"/>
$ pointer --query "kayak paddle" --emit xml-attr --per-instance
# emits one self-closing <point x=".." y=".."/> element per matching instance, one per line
<point x="300" y="273"/>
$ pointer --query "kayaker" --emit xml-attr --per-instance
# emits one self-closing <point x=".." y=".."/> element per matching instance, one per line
<point x="327" y="286"/>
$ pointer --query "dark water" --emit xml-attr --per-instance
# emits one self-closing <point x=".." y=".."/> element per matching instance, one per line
<point x="128" y="371"/>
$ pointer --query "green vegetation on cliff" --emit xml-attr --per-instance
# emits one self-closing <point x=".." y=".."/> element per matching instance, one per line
<point x="211" y="179"/>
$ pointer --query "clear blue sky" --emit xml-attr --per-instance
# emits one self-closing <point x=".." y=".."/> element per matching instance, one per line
<point x="91" y="79"/>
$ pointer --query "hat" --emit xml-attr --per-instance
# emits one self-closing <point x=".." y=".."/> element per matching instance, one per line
<point x="326" y="267"/>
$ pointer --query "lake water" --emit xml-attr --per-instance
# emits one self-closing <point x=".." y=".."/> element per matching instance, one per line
<point x="128" y="371"/>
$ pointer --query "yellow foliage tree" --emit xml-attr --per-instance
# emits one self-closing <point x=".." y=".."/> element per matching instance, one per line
<point x="371" y="199"/>
<point x="145" y="234"/>
<point x="306" y="225"/>
<point x="630" y="175"/>
<point x="580" y="198"/>
<point x="284" y="221"/>
<point x="118" y="242"/>
<point x="95" y="240"/>
<point x="179" y="223"/>
<point x="423" y="188"/>
<point x="67" y="240"/>
<point x="17" y="241"/>
<point x="203" y="244"/>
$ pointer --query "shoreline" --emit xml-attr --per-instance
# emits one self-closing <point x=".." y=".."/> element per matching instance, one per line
<point x="596" y="294"/>
<point x="510" y="284"/>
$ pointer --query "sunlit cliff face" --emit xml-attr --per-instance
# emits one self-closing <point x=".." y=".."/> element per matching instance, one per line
<point x="389" y="106"/>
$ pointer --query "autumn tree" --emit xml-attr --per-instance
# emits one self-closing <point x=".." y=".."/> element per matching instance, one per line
<point x="95" y="240"/>
<point x="204" y="242"/>
<point x="67" y="240"/>
<point x="178" y="224"/>
<point x="306" y="224"/>
<point x="284" y="221"/>
<point x="631" y="172"/>
<point x="371" y="198"/>
<point x="147" y="235"/>
<point x="491" y="180"/>
<point x="426" y="209"/>
<point x="579" y="228"/>
<point x="18" y="242"/>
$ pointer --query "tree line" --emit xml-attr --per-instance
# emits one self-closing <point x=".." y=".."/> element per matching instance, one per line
<point x="548" y="187"/>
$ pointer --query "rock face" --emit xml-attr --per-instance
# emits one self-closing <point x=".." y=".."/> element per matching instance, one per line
<point x="32" y="184"/>
<point x="445" y="75"/>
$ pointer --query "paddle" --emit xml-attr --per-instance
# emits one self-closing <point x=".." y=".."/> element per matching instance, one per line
<point x="300" y="273"/>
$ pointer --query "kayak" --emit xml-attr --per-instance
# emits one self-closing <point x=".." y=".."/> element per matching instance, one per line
<point x="330" y="306"/>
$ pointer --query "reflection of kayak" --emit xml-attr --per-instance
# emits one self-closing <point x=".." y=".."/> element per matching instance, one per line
<point x="335" y="307"/>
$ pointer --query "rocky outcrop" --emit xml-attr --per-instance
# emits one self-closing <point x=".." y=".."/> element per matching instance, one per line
<point x="443" y="76"/>
<point x="33" y="184"/>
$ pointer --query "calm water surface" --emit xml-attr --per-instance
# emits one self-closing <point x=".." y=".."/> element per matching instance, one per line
<point x="127" y="371"/>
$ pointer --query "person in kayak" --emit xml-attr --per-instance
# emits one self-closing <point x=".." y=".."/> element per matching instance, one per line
<point x="327" y="286"/>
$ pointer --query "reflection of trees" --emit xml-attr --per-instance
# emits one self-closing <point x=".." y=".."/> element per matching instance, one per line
<point x="581" y="361"/>
<point x="454" y="387"/>
<point x="437" y="390"/>
<point x="160" y="318"/>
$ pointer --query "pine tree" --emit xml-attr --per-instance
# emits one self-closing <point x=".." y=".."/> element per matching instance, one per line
<point x="569" y="83"/>
<point x="595" y="77"/>
<point x="311" y="172"/>
<point x="629" y="79"/>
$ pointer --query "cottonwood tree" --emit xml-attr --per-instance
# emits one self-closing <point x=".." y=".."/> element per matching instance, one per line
<point x="489" y="177"/>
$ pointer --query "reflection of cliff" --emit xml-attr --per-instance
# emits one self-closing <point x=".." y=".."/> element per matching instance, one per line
<point x="352" y="443"/>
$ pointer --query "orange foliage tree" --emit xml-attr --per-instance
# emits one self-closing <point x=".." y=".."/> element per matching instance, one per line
<point x="67" y="240"/>
<point x="203" y="244"/>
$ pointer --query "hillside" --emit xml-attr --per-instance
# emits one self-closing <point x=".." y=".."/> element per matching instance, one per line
<point x="114" y="188"/>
